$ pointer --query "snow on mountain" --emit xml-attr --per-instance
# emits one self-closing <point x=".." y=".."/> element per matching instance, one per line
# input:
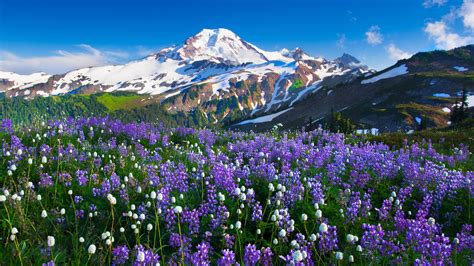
<point x="24" y="81"/>
<point x="215" y="61"/>
<point x="220" y="45"/>
<point x="263" y="119"/>
<point x="397" y="71"/>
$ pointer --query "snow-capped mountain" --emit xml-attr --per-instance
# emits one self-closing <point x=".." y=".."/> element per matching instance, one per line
<point x="214" y="69"/>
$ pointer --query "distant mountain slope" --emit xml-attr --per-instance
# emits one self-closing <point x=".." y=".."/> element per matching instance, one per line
<point x="424" y="87"/>
<point x="216" y="78"/>
<point x="214" y="70"/>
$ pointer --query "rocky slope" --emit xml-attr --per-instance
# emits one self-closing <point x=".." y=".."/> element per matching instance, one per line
<point x="424" y="87"/>
<point x="214" y="70"/>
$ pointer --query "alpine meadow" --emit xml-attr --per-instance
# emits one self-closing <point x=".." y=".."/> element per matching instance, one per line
<point x="125" y="142"/>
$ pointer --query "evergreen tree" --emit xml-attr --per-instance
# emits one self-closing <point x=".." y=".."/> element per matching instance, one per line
<point x="460" y="111"/>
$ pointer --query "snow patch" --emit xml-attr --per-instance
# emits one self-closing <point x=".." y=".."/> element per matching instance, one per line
<point x="263" y="119"/>
<point x="460" y="68"/>
<point x="398" y="71"/>
<point x="442" y="95"/>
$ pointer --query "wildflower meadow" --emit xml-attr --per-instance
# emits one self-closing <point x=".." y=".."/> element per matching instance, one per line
<point x="98" y="191"/>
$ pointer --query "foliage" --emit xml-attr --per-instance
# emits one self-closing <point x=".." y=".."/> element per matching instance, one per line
<point x="100" y="191"/>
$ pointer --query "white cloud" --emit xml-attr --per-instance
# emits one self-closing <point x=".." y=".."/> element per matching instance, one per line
<point x="373" y="35"/>
<point x="396" y="53"/>
<point x="467" y="13"/>
<point x="60" y="61"/>
<point x="341" y="42"/>
<point x="431" y="3"/>
<point x="443" y="37"/>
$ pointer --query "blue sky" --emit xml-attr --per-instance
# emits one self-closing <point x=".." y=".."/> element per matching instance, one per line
<point x="57" y="36"/>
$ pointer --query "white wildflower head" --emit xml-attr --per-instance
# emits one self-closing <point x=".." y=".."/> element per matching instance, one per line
<point x="92" y="248"/>
<point x="112" y="199"/>
<point x="323" y="228"/>
<point x="51" y="241"/>
<point x="297" y="256"/>
<point x="141" y="256"/>
<point x="178" y="209"/>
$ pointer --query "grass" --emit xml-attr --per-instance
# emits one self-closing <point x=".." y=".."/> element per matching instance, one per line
<point x="296" y="85"/>
<point x="120" y="102"/>
<point x="424" y="110"/>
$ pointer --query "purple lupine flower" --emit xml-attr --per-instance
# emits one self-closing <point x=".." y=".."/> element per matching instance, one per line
<point x="120" y="255"/>
<point x="201" y="256"/>
<point x="227" y="259"/>
<point x="251" y="255"/>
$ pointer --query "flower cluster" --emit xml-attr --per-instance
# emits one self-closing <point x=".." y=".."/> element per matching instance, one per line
<point x="97" y="190"/>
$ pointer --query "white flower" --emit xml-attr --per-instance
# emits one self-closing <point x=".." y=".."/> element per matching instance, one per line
<point x="44" y="159"/>
<point x="44" y="214"/>
<point x="153" y="195"/>
<point x="271" y="187"/>
<point x="159" y="196"/>
<point x="282" y="233"/>
<point x="319" y="214"/>
<point x="297" y="256"/>
<point x="63" y="211"/>
<point x="112" y="199"/>
<point x="30" y="161"/>
<point x="237" y="191"/>
<point x="275" y="241"/>
<point x="339" y="255"/>
<point x="38" y="198"/>
<point x="178" y="209"/>
<point x="149" y="227"/>
<point x="351" y="258"/>
<point x="3" y="198"/>
<point x="313" y="238"/>
<point x="431" y="221"/>
<point x="51" y="241"/>
<point x="323" y="228"/>
<point x="92" y="248"/>
<point x="141" y="256"/>
<point x="12" y="237"/>
<point x="13" y="167"/>
<point x="19" y="152"/>
<point x="221" y="196"/>
<point x="69" y="192"/>
<point x="350" y="238"/>
<point x="14" y="231"/>
<point x="304" y="217"/>
<point x="456" y="241"/>
<point x="259" y="231"/>
<point x="81" y="239"/>
<point x="122" y="229"/>
<point x="108" y="242"/>
<point x="359" y="248"/>
<point x="238" y="225"/>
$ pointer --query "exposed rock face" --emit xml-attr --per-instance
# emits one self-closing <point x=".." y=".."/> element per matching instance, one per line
<point x="424" y="87"/>
<point x="214" y="70"/>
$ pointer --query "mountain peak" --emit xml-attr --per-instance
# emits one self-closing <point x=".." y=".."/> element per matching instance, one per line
<point x="347" y="59"/>
<point x="220" y="45"/>
<point x="217" y="32"/>
<point x="297" y="54"/>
